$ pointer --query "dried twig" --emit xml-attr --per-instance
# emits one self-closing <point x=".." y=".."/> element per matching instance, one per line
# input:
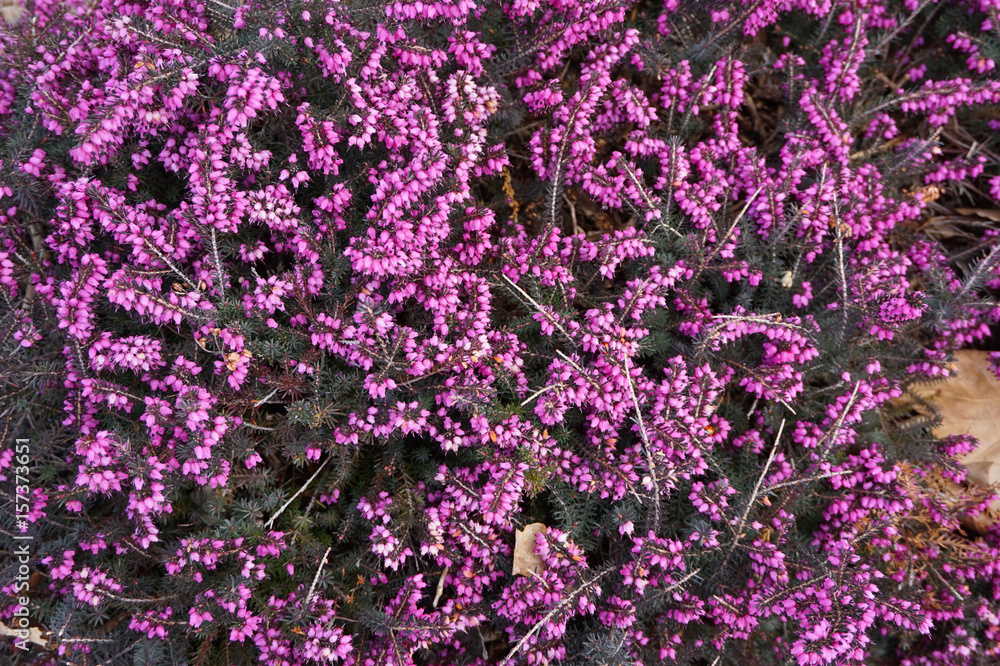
<point x="551" y="614"/>
<point x="312" y="588"/>
<point x="284" y="506"/>
<point x="647" y="450"/>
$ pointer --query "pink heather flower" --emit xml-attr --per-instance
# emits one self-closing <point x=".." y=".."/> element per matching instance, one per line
<point x="197" y="618"/>
<point x="377" y="387"/>
<point x="570" y="284"/>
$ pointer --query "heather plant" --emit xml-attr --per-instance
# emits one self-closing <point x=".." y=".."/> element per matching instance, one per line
<point x="308" y="306"/>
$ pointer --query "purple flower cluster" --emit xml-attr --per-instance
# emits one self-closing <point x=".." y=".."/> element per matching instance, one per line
<point x="310" y="306"/>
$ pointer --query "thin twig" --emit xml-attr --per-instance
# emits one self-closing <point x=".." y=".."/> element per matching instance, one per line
<point x="577" y="229"/>
<point x="265" y="398"/>
<point x="646" y="448"/>
<point x="220" y="276"/>
<point x="753" y="497"/>
<point x="843" y="275"/>
<point x="649" y="202"/>
<point x="843" y="415"/>
<point x="539" y="392"/>
<point x="312" y="588"/>
<point x="538" y="308"/>
<point x="809" y="479"/>
<point x="743" y="212"/>
<point x="552" y="613"/>
<point x="270" y="522"/>
<point x="760" y="479"/>
<point x="681" y="581"/>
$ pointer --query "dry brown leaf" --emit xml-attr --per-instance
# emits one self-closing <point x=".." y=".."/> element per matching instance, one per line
<point x="11" y="11"/>
<point x="969" y="401"/>
<point x="32" y="635"/>
<point x="988" y="213"/>
<point x="526" y="561"/>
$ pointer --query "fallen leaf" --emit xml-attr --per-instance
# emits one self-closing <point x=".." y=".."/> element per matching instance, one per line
<point x="969" y="402"/>
<point x="988" y="213"/>
<point x="928" y="193"/>
<point x="11" y="11"/>
<point x="440" y="587"/>
<point x="34" y="635"/>
<point x="526" y="561"/>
